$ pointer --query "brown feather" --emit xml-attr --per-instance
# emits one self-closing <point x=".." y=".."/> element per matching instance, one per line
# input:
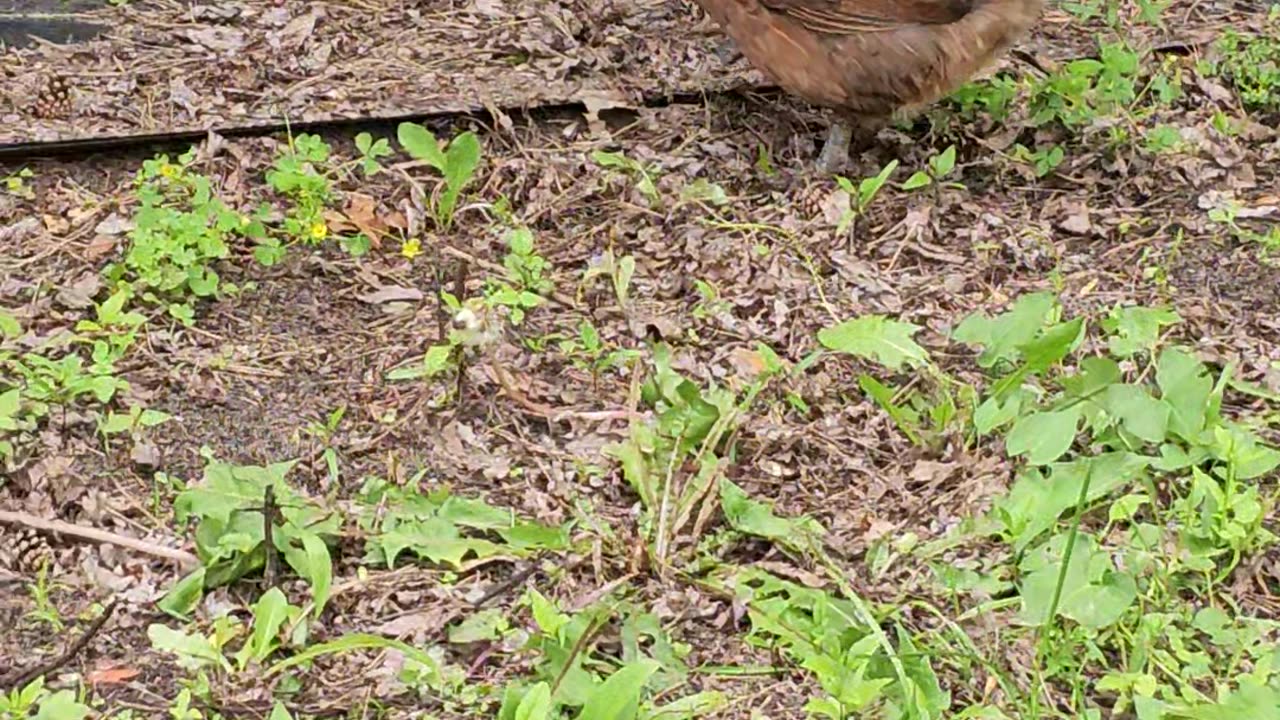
<point x="870" y="58"/>
<point x="843" y="17"/>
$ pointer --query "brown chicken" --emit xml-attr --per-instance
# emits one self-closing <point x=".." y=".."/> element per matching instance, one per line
<point x="868" y="59"/>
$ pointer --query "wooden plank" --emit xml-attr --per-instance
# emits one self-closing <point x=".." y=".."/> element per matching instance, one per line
<point x="23" y="22"/>
<point x="163" y="67"/>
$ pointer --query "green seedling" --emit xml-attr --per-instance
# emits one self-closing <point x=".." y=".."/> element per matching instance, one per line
<point x="940" y="166"/>
<point x="40" y="591"/>
<point x="445" y="529"/>
<point x="299" y="174"/>
<point x="632" y="168"/>
<point x="862" y="196"/>
<point x="1163" y="139"/>
<point x="370" y="152"/>
<point x="590" y="352"/>
<point x="675" y="462"/>
<point x="17" y="184"/>
<point x="323" y="433"/>
<point x="456" y="162"/>
<point x="1042" y="160"/>
<point x="619" y="270"/>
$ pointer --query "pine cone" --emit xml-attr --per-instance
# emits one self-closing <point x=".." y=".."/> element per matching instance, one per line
<point x="24" y="551"/>
<point x="53" y="100"/>
<point x="811" y="198"/>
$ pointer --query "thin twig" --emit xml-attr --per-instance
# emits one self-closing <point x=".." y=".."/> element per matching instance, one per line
<point x="45" y="668"/>
<point x="509" y="583"/>
<point x="182" y="557"/>
<point x="271" y="570"/>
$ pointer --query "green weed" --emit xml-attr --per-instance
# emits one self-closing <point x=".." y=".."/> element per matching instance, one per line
<point x="20" y="703"/>
<point x="1252" y="63"/>
<point x="1136" y="492"/>
<point x="632" y="169"/>
<point x="861" y="196"/>
<point x="456" y="162"/>
<point x="674" y="464"/>
<point x="228" y="507"/>
<point x="181" y="231"/>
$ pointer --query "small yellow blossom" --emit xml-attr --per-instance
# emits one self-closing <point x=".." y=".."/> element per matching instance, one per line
<point x="168" y="170"/>
<point x="319" y="231"/>
<point x="411" y="248"/>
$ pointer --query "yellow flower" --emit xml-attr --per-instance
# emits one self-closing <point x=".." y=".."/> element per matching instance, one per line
<point x="319" y="230"/>
<point x="411" y="248"/>
<point x="168" y="170"/>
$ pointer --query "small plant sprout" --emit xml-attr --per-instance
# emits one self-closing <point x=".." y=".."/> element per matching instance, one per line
<point x="619" y="270"/>
<point x="16" y="184"/>
<point x="370" y="151"/>
<point x="456" y="162"/>
<point x="940" y="166"/>
<point x="633" y="169"/>
<point x="1042" y="160"/>
<point x="861" y="196"/>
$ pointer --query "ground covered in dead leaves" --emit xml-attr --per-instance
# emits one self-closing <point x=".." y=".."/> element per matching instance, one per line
<point x="734" y="245"/>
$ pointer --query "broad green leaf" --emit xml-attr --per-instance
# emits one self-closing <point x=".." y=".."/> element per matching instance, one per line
<point x="269" y="615"/>
<point x="520" y="241"/>
<point x="995" y="412"/>
<point x="483" y="625"/>
<point x="10" y="402"/>
<point x="753" y="517"/>
<point x="870" y="187"/>
<point x="184" y="596"/>
<point x="1001" y="336"/>
<point x="943" y="163"/>
<point x="1054" y="344"/>
<point x="1044" y="436"/>
<point x="421" y="144"/>
<point x="877" y="338"/>
<point x="359" y="641"/>
<point x="691" y="707"/>
<point x="1036" y="501"/>
<point x="279" y="712"/>
<point x="618" y="697"/>
<point x="536" y="704"/>
<point x="192" y="651"/>
<point x="917" y="180"/>
<point x="1136" y="329"/>
<point x="1143" y="415"/>
<point x="9" y="325"/>
<point x="318" y="570"/>
<point x="1093" y="594"/>
<point x="435" y="539"/>
<point x="1096" y="374"/>
<point x="62" y="705"/>
<point x="536" y="536"/>
<point x="546" y="615"/>
<point x="1185" y="386"/>
<point x="474" y="513"/>
<point x="1251" y="700"/>
<point x="461" y="160"/>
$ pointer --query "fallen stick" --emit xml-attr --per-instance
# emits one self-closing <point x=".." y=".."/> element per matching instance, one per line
<point x="182" y="557"/>
<point x="21" y="680"/>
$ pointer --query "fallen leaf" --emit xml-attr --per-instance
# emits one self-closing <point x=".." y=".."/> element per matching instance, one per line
<point x="392" y="293"/>
<point x="111" y="675"/>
